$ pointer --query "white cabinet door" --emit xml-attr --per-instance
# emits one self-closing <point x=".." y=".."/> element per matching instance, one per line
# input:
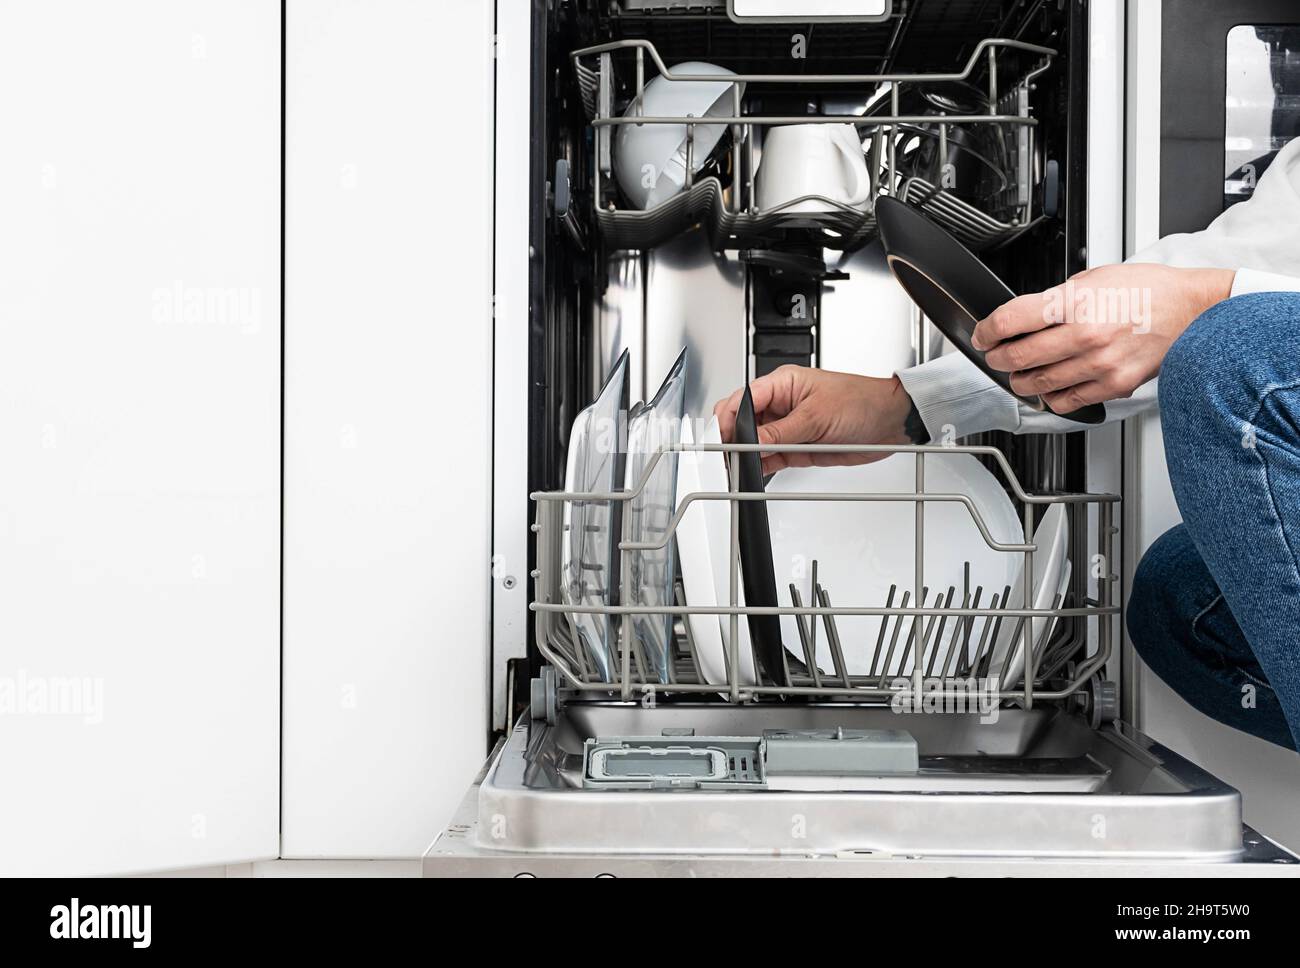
<point x="388" y="419"/>
<point x="139" y="433"/>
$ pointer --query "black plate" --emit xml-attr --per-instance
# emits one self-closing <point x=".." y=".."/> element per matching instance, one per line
<point x="953" y="288"/>
<point x="757" y="569"/>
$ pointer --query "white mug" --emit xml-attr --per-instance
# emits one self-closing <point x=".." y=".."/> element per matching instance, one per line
<point x="812" y="159"/>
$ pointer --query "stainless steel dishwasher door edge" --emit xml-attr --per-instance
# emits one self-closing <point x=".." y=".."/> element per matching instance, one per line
<point x="1170" y="809"/>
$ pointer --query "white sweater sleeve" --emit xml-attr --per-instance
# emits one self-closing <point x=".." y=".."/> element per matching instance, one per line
<point x="956" y="400"/>
<point x="1254" y="280"/>
<point x="1260" y="238"/>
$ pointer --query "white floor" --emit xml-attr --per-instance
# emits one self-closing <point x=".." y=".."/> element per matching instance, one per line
<point x="1268" y="776"/>
<point x="303" y="868"/>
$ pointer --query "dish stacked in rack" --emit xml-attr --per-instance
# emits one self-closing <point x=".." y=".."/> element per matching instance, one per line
<point x="614" y="448"/>
<point x="706" y="153"/>
<point x="829" y="537"/>
<point x="813" y="180"/>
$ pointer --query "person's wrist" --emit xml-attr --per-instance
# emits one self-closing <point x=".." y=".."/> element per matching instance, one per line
<point x="903" y="422"/>
<point x="1213" y="286"/>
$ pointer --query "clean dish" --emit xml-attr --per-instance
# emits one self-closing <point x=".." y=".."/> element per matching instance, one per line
<point x="650" y="159"/>
<point x="953" y="287"/>
<point x="1015" y="676"/>
<point x="703" y="535"/>
<point x="1051" y="576"/>
<point x="824" y="160"/>
<point x="588" y="558"/>
<point x="756" y="554"/>
<point x="655" y="426"/>
<point x="862" y="548"/>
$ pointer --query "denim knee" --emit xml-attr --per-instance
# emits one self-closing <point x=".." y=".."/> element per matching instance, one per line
<point x="1230" y="354"/>
<point x="1215" y="374"/>
<point x="1160" y="604"/>
<point x="1200" y="350"/>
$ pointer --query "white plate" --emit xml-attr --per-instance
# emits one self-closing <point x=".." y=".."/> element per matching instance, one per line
<point x="1051" y="575"/>
<point x="655" y="426"/>
<point x="587" y="565"/>
<point x="862" y="548"/>
<point x="702" y="540"/>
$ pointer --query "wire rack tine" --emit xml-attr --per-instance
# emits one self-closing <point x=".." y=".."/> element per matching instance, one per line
<point x="880" y="636"/>
<point x="833" y="637"/>
<point x="926" y="655"/>
<point x="950" y="656"/>
<point x="893" y="641"/>
<point x="810" y="655"/>
<point x="961" y="656"/>
<point x="812" y="597"/>
<point x="911" y="634"/>
<point x="988" y="635"/>
<point x="938" y="635"/>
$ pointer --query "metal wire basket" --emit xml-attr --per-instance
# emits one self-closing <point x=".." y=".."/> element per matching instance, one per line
<point x="1055" y="666"/>
<point x="731" y="212"/>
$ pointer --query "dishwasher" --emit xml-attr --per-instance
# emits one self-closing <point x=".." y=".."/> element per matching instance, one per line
<point x="914" y="759"/>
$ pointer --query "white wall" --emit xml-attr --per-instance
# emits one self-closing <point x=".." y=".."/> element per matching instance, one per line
<point x="139" y="433"/>
<point x="388" y="414"/>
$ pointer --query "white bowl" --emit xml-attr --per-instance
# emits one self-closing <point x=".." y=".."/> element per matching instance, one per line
<point x="650" y="159"/>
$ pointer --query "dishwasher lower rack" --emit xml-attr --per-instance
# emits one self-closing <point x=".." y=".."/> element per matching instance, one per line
<point x="1036" y="784"/>
<point x="1071" y="652"/>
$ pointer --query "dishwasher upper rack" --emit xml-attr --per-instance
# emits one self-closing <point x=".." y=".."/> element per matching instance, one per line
<point x="733" y="217"/>
<point x="1053" y="670"/>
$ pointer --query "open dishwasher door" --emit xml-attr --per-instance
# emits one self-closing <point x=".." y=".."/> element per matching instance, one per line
<point x="936" y="754"/>
<point x="1038" y="792"/>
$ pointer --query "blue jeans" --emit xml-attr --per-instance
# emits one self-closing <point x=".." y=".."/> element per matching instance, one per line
<point x="1215" y="604"/>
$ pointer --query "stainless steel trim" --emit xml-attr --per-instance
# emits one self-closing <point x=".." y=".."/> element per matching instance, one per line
<point x="972" y="64"/>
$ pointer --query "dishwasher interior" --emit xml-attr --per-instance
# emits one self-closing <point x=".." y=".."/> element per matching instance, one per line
<point x="916" y="741"/>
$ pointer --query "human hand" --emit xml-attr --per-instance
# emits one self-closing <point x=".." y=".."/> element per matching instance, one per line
<point x="1122" y="320"/>
<point x="800" y="405"/>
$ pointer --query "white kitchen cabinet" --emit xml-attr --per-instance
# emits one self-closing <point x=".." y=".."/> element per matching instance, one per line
<point x="388" y="420"/>
<point x="139" y="434"/>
